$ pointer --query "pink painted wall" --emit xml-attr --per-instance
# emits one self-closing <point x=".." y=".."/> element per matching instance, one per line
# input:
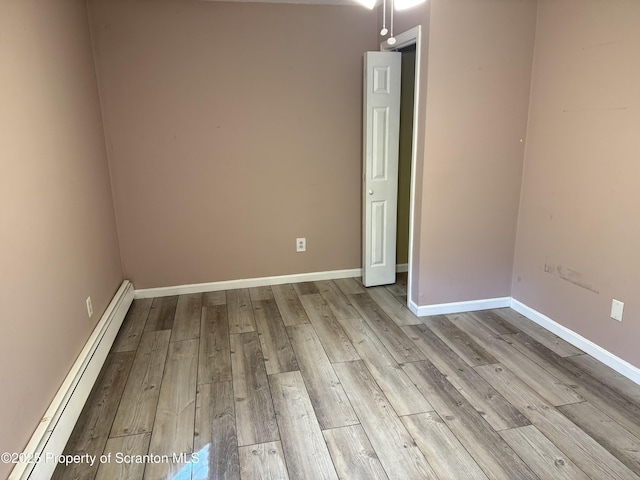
<point x="233" y="128"/>
<point x="58" y="236"/>
<point x="578" y="235"/>
<point x="475" y="85"/>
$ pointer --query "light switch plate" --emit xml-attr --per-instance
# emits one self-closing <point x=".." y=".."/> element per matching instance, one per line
<point x="616" y="309"/>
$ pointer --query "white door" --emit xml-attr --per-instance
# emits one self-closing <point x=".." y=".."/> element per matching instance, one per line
<point x="380" y="169"/>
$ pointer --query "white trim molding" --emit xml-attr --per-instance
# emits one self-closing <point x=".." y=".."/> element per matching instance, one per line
<point x="54" y="430"/>
<point x="459" y="307"/>
<point x="413" y="36"/>
<point x="596" y="351"/>
<point x="413" y="307"/>
<point x="247" y="283"/>
<point x="402" y="267"/>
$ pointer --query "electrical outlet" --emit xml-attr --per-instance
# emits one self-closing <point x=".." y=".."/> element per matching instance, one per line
<point x="89" y="307"/>
<point x="616" y="309"/>
<point x="301" y="244"/>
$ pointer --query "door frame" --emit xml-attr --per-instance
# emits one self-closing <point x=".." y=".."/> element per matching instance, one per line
<point x="412" y="36"/>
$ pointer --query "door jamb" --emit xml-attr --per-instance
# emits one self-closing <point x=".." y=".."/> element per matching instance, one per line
<point x="412" y="36"/>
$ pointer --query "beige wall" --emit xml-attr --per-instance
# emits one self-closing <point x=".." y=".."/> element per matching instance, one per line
<point x="233" y="128"/>
<point x="57" y="228"/>
<point x="477" y="88"/>
<point x="578" y="235"/>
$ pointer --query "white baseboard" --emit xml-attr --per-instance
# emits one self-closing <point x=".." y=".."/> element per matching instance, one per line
<point x="619" y="365"/>
<point x="413" y="307"/>
<point x="246" y="283"/>
<point x="459" y="307"/>
<point x="54" y="430"/>
<point x="402" y="267"/>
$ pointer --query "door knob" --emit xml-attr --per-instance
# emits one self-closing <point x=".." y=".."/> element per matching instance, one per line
<point x="370" y="192"/>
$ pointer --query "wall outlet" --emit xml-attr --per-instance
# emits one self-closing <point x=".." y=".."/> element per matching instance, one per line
<point x="301" y="244"/>
<point x="616" y="309"/>
<point x="89" y="307"/>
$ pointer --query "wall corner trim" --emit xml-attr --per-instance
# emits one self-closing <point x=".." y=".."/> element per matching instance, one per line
<point x="596" y="351"/>
<point x="246" y="283"/>
<point x="54" y="430"/>
<point x="459" y="307"/>
<point x="413" y="307"/>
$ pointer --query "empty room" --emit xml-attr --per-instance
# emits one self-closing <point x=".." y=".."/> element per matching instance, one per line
<point x="319" y="239"/>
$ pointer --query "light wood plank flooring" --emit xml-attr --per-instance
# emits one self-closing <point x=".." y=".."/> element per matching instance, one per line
<point x="330" y="380"/>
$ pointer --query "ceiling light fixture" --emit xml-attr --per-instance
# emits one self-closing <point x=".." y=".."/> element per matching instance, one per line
<point x="391" y="40"/>
<point x="404" y="4"/>
<point x="394" y="5"/>
<point x="384" y="30"/>
<point x="368" y="3"/>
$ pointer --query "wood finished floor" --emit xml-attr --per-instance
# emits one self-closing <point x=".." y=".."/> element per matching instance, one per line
<point x="328" y="380"/>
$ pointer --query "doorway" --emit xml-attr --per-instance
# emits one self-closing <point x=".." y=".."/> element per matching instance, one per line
<point x="409" y="44"/>
<point x="407" y="86"/>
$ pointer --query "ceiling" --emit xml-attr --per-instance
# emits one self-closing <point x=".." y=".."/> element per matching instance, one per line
<point x="306" y="2"/>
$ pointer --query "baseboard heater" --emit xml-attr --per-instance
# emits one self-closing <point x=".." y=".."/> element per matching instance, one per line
<point x="54" y="430"/>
